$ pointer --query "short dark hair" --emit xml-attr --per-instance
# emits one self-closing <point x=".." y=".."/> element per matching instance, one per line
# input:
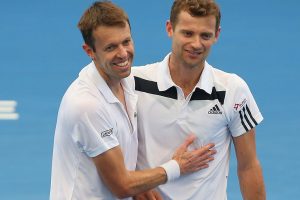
<point x="101" y="13"/>
<point x="197" y="8"/>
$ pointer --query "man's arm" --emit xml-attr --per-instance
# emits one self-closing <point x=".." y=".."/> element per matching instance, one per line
<point x="124" y="183"/>
<point x="249" y="169"/>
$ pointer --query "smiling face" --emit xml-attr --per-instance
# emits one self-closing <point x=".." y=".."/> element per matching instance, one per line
<point x="114" y="51"/>
<point x="192" y="39"/>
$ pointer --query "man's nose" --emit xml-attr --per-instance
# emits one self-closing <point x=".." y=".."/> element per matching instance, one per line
<point x="197" y="43"/>
<point x="122" y="52"/>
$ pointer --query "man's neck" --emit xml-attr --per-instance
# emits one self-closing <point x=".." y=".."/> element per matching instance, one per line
<point x="117" y="89"/>
<point x="115" y="86"/>
<point x="185" y="77"/>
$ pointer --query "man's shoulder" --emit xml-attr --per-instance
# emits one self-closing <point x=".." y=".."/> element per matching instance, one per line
<point x="81" y="98"/>
<point x="145" y="71"/>
<point x="226" y="79"/>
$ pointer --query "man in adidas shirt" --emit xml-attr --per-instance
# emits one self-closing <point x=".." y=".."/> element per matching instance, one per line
<point x="95" y="144"/>
<point x="184" y="94"/>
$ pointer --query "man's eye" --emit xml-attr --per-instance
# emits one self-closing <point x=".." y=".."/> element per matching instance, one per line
<point x="187" y="34"/>
<point x="126" y="42"/>
<point x="206" y="36"/>
<point x="110" y="48"/>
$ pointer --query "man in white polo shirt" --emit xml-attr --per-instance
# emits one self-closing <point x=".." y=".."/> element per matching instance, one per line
<point x="95" y="145"/>
<point x="184" y="94"/>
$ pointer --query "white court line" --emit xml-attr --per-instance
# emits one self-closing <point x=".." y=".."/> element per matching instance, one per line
<point x="8" y="103"/>
<point x="9" y="116"/>
<point x="7" y="110"/>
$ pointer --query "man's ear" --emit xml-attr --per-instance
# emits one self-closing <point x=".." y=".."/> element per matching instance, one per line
<point x="218" y="33"/>
<point x="88" y="50"/>
<point x="169" y="28"/>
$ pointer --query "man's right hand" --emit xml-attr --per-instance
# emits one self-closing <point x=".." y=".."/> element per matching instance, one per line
<point x="148" y="195"/>
<point x="191" y="161"/>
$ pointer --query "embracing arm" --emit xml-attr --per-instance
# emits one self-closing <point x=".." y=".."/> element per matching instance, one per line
<point x="119" y="180"/>
<point x="124" y="183"/>
<point x="249" y="169"/>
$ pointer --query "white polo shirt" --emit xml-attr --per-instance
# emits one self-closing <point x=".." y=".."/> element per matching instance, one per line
<point x="91" y="120"/>
<point x="220" y="106"/>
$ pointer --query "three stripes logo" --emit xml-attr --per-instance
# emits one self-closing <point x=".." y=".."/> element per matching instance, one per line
<point x="247" y="119"/>
<point x="215" y="110"/>
<point x="7" y="110"/>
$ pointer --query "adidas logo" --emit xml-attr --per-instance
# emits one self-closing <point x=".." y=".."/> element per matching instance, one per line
<point x="215" y="110"/>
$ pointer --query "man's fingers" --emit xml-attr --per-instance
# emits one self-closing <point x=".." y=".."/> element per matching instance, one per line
<point x="150" y="195"/>
<point x="157" y="195"/>
<point x="190" y="161"/>
<point x="188" y="141"/>
<point x="203" y="157"/>
<point x="139" y="197"/>
<point x="198" y="159"/>
<point x="206" y="149"/>
<point x="203" y="161"/>
<point x="201" y="164"/>
<point x="200" y="168"/>
<point x="208" y="146"/>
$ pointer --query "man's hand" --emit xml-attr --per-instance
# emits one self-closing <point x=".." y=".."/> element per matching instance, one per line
<point x="191" y="161"/>
<point x="149" y="195"/>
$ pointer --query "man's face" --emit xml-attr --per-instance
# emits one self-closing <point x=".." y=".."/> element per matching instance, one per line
<point x="193" y="38"/>
<point x="114" y="52"/>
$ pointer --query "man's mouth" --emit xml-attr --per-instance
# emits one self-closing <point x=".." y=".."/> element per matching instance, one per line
<point x="122" y="64"/>
<point x="194" y="53"/>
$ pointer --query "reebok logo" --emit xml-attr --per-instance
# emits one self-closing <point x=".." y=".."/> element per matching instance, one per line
<point x="215" y="110"/>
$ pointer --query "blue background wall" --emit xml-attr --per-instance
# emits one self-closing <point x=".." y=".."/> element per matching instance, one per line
<point x="41" y="55"/>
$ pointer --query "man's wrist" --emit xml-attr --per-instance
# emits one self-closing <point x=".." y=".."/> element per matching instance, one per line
<point x="172" y="170"/>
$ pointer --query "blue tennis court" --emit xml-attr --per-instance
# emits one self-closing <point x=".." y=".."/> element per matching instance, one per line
<point x="41" y="55"/>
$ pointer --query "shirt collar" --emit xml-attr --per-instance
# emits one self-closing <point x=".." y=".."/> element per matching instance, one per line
<point x="164" y="80"/>
<point x="102" y="86"/>
<point x="206" y="79"/>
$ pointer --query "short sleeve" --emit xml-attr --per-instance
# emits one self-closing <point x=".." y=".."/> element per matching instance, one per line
<point x="94" y="131"/>
<point x="243" y="111"/>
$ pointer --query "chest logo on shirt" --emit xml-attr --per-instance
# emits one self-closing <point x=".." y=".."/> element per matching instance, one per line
<point x="215" y="110"/>
<point x="107" y="133"/>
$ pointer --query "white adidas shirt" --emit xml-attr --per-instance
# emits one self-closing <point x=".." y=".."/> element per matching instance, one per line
<point x="220" y="106"/>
